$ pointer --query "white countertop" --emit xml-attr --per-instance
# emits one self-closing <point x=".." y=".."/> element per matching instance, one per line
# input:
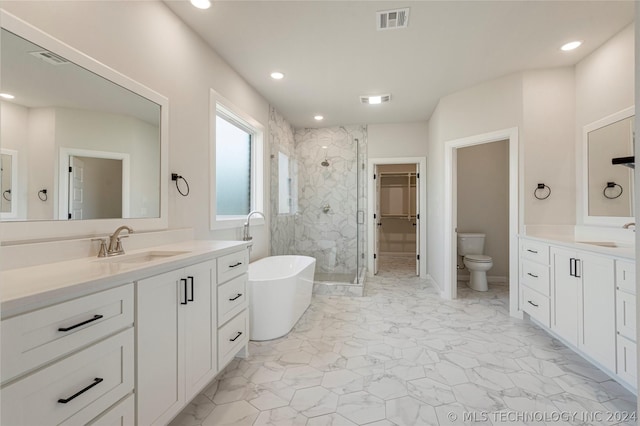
<point x="625" y="251"/>
<point x="26" y="289"/>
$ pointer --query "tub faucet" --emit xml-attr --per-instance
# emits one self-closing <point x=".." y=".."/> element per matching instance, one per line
<point x="627" y="225"/>
<point x="115" y="246"/>
<point x="246" y="236"/>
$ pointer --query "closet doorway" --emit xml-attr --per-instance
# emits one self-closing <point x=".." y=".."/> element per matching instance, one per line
<point x="398" y="243"/>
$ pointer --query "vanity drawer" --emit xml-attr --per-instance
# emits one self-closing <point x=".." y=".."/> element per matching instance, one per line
<point x="74" y="390"/>
<point x="536" y="305"/>
<point x="626" y="314"/>
<point x="232" y="337"/>
<point x="232" y="298"/>
<point x="232" y="265"/>
<point x="122" y="414"/>
<point x="627" y="353"/>
<point x="42" y="336"/>
<point x="626" y="276"/>
<point x="535" y="251"/>
<point x="535" y="276"/>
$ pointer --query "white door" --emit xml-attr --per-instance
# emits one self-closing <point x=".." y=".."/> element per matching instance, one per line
<point x="565" y="294"/>
<point x="598" y="334"/>
<point x="200" y="327"/>
<point x="160" y="385"/>
<point x="76" y="188"/>
<point x="417" y="219"/>
<point x="377" y="221"/>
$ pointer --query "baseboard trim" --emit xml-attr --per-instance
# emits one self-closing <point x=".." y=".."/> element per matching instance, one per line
<point x="497" y="279"/>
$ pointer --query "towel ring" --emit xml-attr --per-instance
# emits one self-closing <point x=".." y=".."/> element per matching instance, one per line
<point x="542" y="186"/>
<point x="42" y="194"/>
<point x="4" y="194"/>
<point x="612" y="185"/>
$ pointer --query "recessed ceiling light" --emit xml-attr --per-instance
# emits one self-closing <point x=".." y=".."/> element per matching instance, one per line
<point x="277" y="75"/>
<point x="6" y="96"/>
<point x="318" y="117"/>
<point x="201" y="4"/>
<point x="571" y="45"/>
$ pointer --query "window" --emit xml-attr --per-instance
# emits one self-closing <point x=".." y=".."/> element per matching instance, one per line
<point x="284" y="184"/>
<point x="237" y="185"/>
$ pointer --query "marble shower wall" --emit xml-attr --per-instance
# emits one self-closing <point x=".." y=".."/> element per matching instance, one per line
<point x="328" y="198"/>
<point x="281" y="139"/>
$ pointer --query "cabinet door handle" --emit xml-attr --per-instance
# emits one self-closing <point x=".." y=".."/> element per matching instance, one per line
<point x="235" y="265"/>
<point x="531" y="275"/>
<point x="235" y="298"/>
<point x="236" y="338"/>
<point x="186" y="299"/>
<point x="80" y="324"/>
<point x="577" y="266"/>
<point x="571" y="266"/>
<point x="80" y="392"/>
<point x="532" y="304"/>
<point x="532" y="251"/>
<point x="192" y="295"/>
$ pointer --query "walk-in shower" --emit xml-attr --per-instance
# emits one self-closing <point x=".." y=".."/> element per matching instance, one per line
<point x="318" y="201"/>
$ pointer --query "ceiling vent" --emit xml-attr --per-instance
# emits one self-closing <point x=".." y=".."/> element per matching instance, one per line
<point x="373" y="100"/>
<point x="392" y="19"/>
<point x="49" y="57"/>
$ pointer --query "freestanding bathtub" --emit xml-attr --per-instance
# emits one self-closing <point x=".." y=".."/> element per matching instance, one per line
<point x="280" y="290"/>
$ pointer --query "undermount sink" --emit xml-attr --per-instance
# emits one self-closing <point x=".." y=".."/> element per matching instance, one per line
<point x="600" y="243"/>
<point x="144" y="257"/>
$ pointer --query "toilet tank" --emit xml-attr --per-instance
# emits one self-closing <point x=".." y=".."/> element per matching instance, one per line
<point x="470" y="243"/>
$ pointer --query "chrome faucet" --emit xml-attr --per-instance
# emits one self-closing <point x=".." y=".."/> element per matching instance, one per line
<point x="245" y="231"/>
<point x="627" y="225"/>
<point x="115" y="245"/>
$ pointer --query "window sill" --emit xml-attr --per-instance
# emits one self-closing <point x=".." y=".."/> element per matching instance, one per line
<point x="235" y="222"/>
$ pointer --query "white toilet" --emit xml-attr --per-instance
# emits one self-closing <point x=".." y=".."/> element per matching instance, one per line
<point x="470" y="247"/>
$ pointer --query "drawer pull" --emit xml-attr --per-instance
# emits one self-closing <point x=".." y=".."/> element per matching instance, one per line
<point x="531" y="275"/>
<point x="80" y="392"/>
<point x="235" y="298"/>
<point x="236" y="265"/>
<point x="531" y="303"/>
<point x="532" y="251"/>
<point x="80" y="324"/>
<point x="236" y="338"/>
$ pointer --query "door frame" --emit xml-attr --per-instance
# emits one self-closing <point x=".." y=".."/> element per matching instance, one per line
<point x="450" y="290"/>
<point x="371" y="224"/>
<point x="63" y="177"/>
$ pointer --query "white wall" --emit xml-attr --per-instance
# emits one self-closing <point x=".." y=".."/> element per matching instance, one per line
<point x="604" y="85"/>
<point x="548" y="156"/>
<point x="397" y="140"/>
<point x="483" y="199"/>
<point x="172" y="60"/>
<point x="494" y="105"/>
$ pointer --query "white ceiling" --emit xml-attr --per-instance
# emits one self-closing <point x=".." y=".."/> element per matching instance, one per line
<point x="331" y="52"/>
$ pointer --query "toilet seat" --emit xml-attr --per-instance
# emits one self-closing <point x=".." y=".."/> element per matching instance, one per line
<point x="478" y="258"/>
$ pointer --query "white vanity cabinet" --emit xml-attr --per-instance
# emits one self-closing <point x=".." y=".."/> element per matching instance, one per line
<point x="233" y="315"/>
<point x="176" y="339"/>
<point x="591" y="296"/>
<point x="626" y="343"/>
<point x="68" y="363"/>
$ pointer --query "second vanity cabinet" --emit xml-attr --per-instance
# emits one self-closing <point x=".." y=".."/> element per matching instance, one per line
<point x="584" y="303"/>
<point x="591" y="299"/>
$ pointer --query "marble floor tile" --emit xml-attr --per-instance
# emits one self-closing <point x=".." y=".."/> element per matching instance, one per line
<point x="401" y="355"/>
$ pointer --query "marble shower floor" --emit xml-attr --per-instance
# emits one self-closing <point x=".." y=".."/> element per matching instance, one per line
<point x="400" y="355"/>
